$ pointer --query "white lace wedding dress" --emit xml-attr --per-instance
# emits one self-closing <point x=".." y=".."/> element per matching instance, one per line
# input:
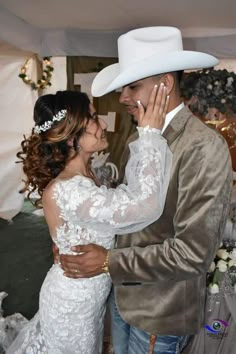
<point x="71" y="311"/>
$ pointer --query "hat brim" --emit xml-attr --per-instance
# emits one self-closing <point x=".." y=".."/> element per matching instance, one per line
<point x="111" y="78"/>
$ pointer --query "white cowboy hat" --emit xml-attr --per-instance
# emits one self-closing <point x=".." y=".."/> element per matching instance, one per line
<point x="146" y="52"/>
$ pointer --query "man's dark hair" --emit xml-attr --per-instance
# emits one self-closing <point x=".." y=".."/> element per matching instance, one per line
<point x="178" y="75"/>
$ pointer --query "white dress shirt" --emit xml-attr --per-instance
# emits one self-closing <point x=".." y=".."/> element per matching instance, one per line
<point x="171" y="115"/>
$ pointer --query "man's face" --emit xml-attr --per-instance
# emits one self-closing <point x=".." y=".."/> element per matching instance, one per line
<point x="138" y="90"/>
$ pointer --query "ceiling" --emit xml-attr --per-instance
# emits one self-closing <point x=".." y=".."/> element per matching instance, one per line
<point x="124" y="14"/>
<point x="39" y="20"/>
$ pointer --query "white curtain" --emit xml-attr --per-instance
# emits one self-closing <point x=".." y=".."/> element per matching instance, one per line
<point x="16" y="117"/>
<point x="16" y="106"/>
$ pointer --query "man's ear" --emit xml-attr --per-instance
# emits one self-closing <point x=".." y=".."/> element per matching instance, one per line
<point x="169" y="82"/>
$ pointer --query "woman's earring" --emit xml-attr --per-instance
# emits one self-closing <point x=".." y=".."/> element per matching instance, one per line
<point x="78" y="148"/>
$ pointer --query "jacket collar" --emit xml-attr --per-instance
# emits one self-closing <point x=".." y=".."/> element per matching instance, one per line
<point x="177" y="125"/>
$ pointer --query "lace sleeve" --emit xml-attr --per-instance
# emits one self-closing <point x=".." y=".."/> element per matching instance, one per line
<point x="129" y="207"/>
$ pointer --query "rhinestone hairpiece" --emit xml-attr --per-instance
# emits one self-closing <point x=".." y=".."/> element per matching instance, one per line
<point x="47" y="125"/>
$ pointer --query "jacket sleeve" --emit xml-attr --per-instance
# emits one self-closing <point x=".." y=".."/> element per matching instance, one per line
<point x="204" y="190"/>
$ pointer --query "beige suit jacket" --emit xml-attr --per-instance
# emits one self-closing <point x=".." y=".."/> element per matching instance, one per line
<point x="160" y="273"/>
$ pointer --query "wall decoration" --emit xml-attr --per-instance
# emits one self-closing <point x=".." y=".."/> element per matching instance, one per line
<point x="44" y="80"/>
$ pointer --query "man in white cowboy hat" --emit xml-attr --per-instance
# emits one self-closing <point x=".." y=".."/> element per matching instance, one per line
<point x="159" y="274"/>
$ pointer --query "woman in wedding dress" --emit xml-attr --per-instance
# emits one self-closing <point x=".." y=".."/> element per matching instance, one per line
<point x="56" y="160"/>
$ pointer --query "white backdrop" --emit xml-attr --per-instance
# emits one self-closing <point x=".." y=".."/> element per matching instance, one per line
<point x="16" y="115"/>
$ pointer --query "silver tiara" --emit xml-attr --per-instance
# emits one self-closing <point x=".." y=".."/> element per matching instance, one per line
<point x="47" y="125"/>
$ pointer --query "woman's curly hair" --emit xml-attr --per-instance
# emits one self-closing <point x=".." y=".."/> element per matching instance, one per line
<point x="45" y="155"/>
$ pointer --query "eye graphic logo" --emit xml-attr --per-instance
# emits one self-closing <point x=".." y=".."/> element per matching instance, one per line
<point x="217" y="326"/>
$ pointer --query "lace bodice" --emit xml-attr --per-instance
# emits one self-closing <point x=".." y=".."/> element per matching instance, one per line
<point x="91" y="213"/>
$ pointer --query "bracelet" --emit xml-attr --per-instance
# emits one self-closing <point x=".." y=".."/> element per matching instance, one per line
<point x="105" y="264"/>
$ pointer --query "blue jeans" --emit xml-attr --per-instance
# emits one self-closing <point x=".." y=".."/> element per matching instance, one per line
<point x="127" y="339"/>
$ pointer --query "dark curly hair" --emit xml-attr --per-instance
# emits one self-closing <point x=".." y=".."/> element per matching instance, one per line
<point x="45" y="155"/>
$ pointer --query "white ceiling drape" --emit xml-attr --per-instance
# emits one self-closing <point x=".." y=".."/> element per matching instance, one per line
<point x="77" y="30"/>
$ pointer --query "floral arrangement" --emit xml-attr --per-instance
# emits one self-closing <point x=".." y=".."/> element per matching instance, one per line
<point x="210" y="88"/>
<point x="225" y="261"/>
<point x="211" y="95"/>
<point x="45" y="79"/>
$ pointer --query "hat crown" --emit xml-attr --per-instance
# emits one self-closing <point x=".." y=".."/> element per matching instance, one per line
<point x="146" y="52"/>
<point x="144" y="42"/>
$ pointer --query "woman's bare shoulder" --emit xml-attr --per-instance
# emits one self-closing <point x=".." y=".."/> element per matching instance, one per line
<point x="49" y="192"/>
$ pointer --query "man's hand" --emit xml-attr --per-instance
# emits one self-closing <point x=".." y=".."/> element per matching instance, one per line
<point x="156" y="110"/>
<point x="88" y="263"/>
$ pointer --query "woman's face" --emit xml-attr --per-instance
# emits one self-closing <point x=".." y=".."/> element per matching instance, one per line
<point x="94" y="138"/>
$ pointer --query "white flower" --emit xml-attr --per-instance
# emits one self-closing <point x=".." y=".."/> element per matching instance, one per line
<point x="223" y="100"/>
<point x="212" y="267"/>
<point x="209" y="87"/>
<point x="230" y="80"/>
<point x="223" y="254"/>
<point x="214" y="289"/>
<point x="232" y="263"/>
<point x="222" y="265"/>
<point x="232" y="254"/>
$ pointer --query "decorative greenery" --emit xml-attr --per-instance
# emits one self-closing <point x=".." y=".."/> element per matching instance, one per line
<point x="210" y="88"/>
<point x="45" y="79"/>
